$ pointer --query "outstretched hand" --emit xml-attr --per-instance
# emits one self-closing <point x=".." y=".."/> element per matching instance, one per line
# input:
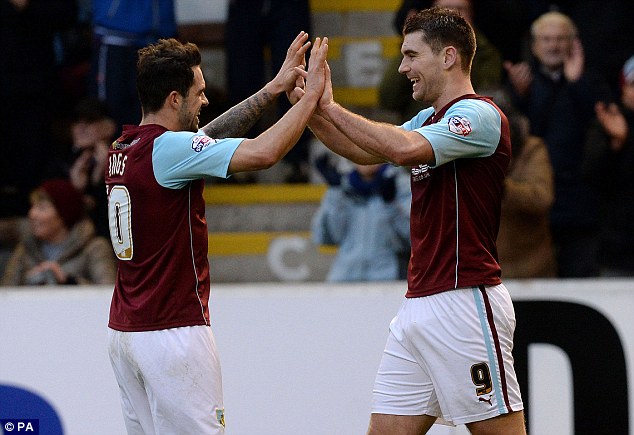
<point x="316" y="75"/>
<point x="285" y="79"/>
<point x="327" y="96"/>
<point x="300" y="86"/>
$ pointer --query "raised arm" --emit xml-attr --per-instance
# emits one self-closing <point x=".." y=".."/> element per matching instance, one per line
<point x="364" y="141"/>
<point x="384" y="142"/>
<point x="236" y="121"/>
<point x="273" y="144"/>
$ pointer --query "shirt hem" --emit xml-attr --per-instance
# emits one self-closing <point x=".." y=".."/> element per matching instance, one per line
<point x="158" y="327"/>
<point x="428" y="292"/>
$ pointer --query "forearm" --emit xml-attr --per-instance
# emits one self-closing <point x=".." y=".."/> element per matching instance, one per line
<point x="385" y="141"/>
<point x="273" y="144"/>
<point x="339" y="143"/>
<point x="236" y="121"/>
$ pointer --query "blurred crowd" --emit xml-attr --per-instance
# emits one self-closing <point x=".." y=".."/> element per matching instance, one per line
<point x="563" y="71"/>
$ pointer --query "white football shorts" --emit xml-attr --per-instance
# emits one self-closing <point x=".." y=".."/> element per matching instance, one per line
<point x="449" y="355"/>
<point x="169" y="381"/>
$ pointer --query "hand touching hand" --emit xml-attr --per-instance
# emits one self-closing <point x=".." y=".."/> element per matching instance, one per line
<point x="298" y="91"/>
<point x="327" y="96"/>
<point x="321" y="71"/>
<point x="286" y="77"/>
<point x="316" y="74"/>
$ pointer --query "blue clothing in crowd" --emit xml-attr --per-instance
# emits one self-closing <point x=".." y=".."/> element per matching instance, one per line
<point x="369" y="222"/>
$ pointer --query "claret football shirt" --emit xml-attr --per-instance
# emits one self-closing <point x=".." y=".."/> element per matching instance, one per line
<point x="156" y="211"/>
<point x="455" y="214"/>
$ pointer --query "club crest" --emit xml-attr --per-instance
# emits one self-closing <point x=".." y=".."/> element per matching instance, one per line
<point x="220" y="416"/>
<point x="459" y="125"/>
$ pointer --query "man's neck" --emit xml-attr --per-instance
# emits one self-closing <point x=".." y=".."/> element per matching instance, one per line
<point x="159" y="119"/>
<point x="460" y="88"/>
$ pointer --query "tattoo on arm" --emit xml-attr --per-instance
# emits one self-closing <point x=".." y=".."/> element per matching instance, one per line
<point x="236" y="121"/>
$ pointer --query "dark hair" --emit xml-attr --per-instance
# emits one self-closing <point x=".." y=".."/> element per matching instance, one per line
<point x="90" y="109"/>
<point x="442" y="27"/>
<point x="162" y="68"/>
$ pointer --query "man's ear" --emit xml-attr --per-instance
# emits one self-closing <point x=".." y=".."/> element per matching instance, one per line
<point x="174" y="100"/>
<point x="450" y="56"/>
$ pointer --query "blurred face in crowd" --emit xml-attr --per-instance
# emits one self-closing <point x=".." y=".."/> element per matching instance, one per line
<point x="88" y="133"/>
<point x="189" y="115"/>
<point x="552" y="42"/>
<point x="462" y="6"/>
<point x="46" y="224"/>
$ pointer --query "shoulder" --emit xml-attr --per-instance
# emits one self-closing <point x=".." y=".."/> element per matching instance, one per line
<point x="482" y="107"/>
<point x="418" y="119"/>
<point x="471" y="117"/>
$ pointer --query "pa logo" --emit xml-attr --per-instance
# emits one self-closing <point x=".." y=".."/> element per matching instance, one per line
<point x="25" y="412"/>
<point x="22" y="426"/>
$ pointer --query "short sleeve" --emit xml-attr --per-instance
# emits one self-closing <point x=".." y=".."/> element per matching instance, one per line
<point x="469" y="129"/>
<point x="179" y="157"/>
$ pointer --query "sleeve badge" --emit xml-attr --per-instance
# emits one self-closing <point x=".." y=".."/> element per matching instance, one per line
<point x="199" y="142"/>
<point x="459" y="125"/>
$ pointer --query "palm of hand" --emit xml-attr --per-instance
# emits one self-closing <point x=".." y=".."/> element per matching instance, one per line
<point x="612" y="120"/>
<point x="574" y="63"/>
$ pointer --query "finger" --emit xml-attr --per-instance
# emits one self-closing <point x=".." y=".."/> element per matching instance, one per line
<point x="300" y="39"/>
<point x="316" y="45"/>
<point x="300" y="82"/>
<point x="324" y="45"/>
<point x="303" y="49"/>
<point x="298" y="46"/>
<point x="300" y="71"/>
<point x="320" y="50"/>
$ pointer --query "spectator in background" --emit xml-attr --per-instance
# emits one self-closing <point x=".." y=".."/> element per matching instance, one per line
<point x="257" y="31"/>
<point x="558" y="98"/>
<point x="609" y="164"/>
<point x="60" y="246"/>
<point x="366" y="214"/>
<point x="524" y="243"/>
<point x="30" y="93"/>
<point x="395" y="90"/>
<point x="83" y="159"/>
<point x="605" y="30"/>
<point x="120" y="28"/>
